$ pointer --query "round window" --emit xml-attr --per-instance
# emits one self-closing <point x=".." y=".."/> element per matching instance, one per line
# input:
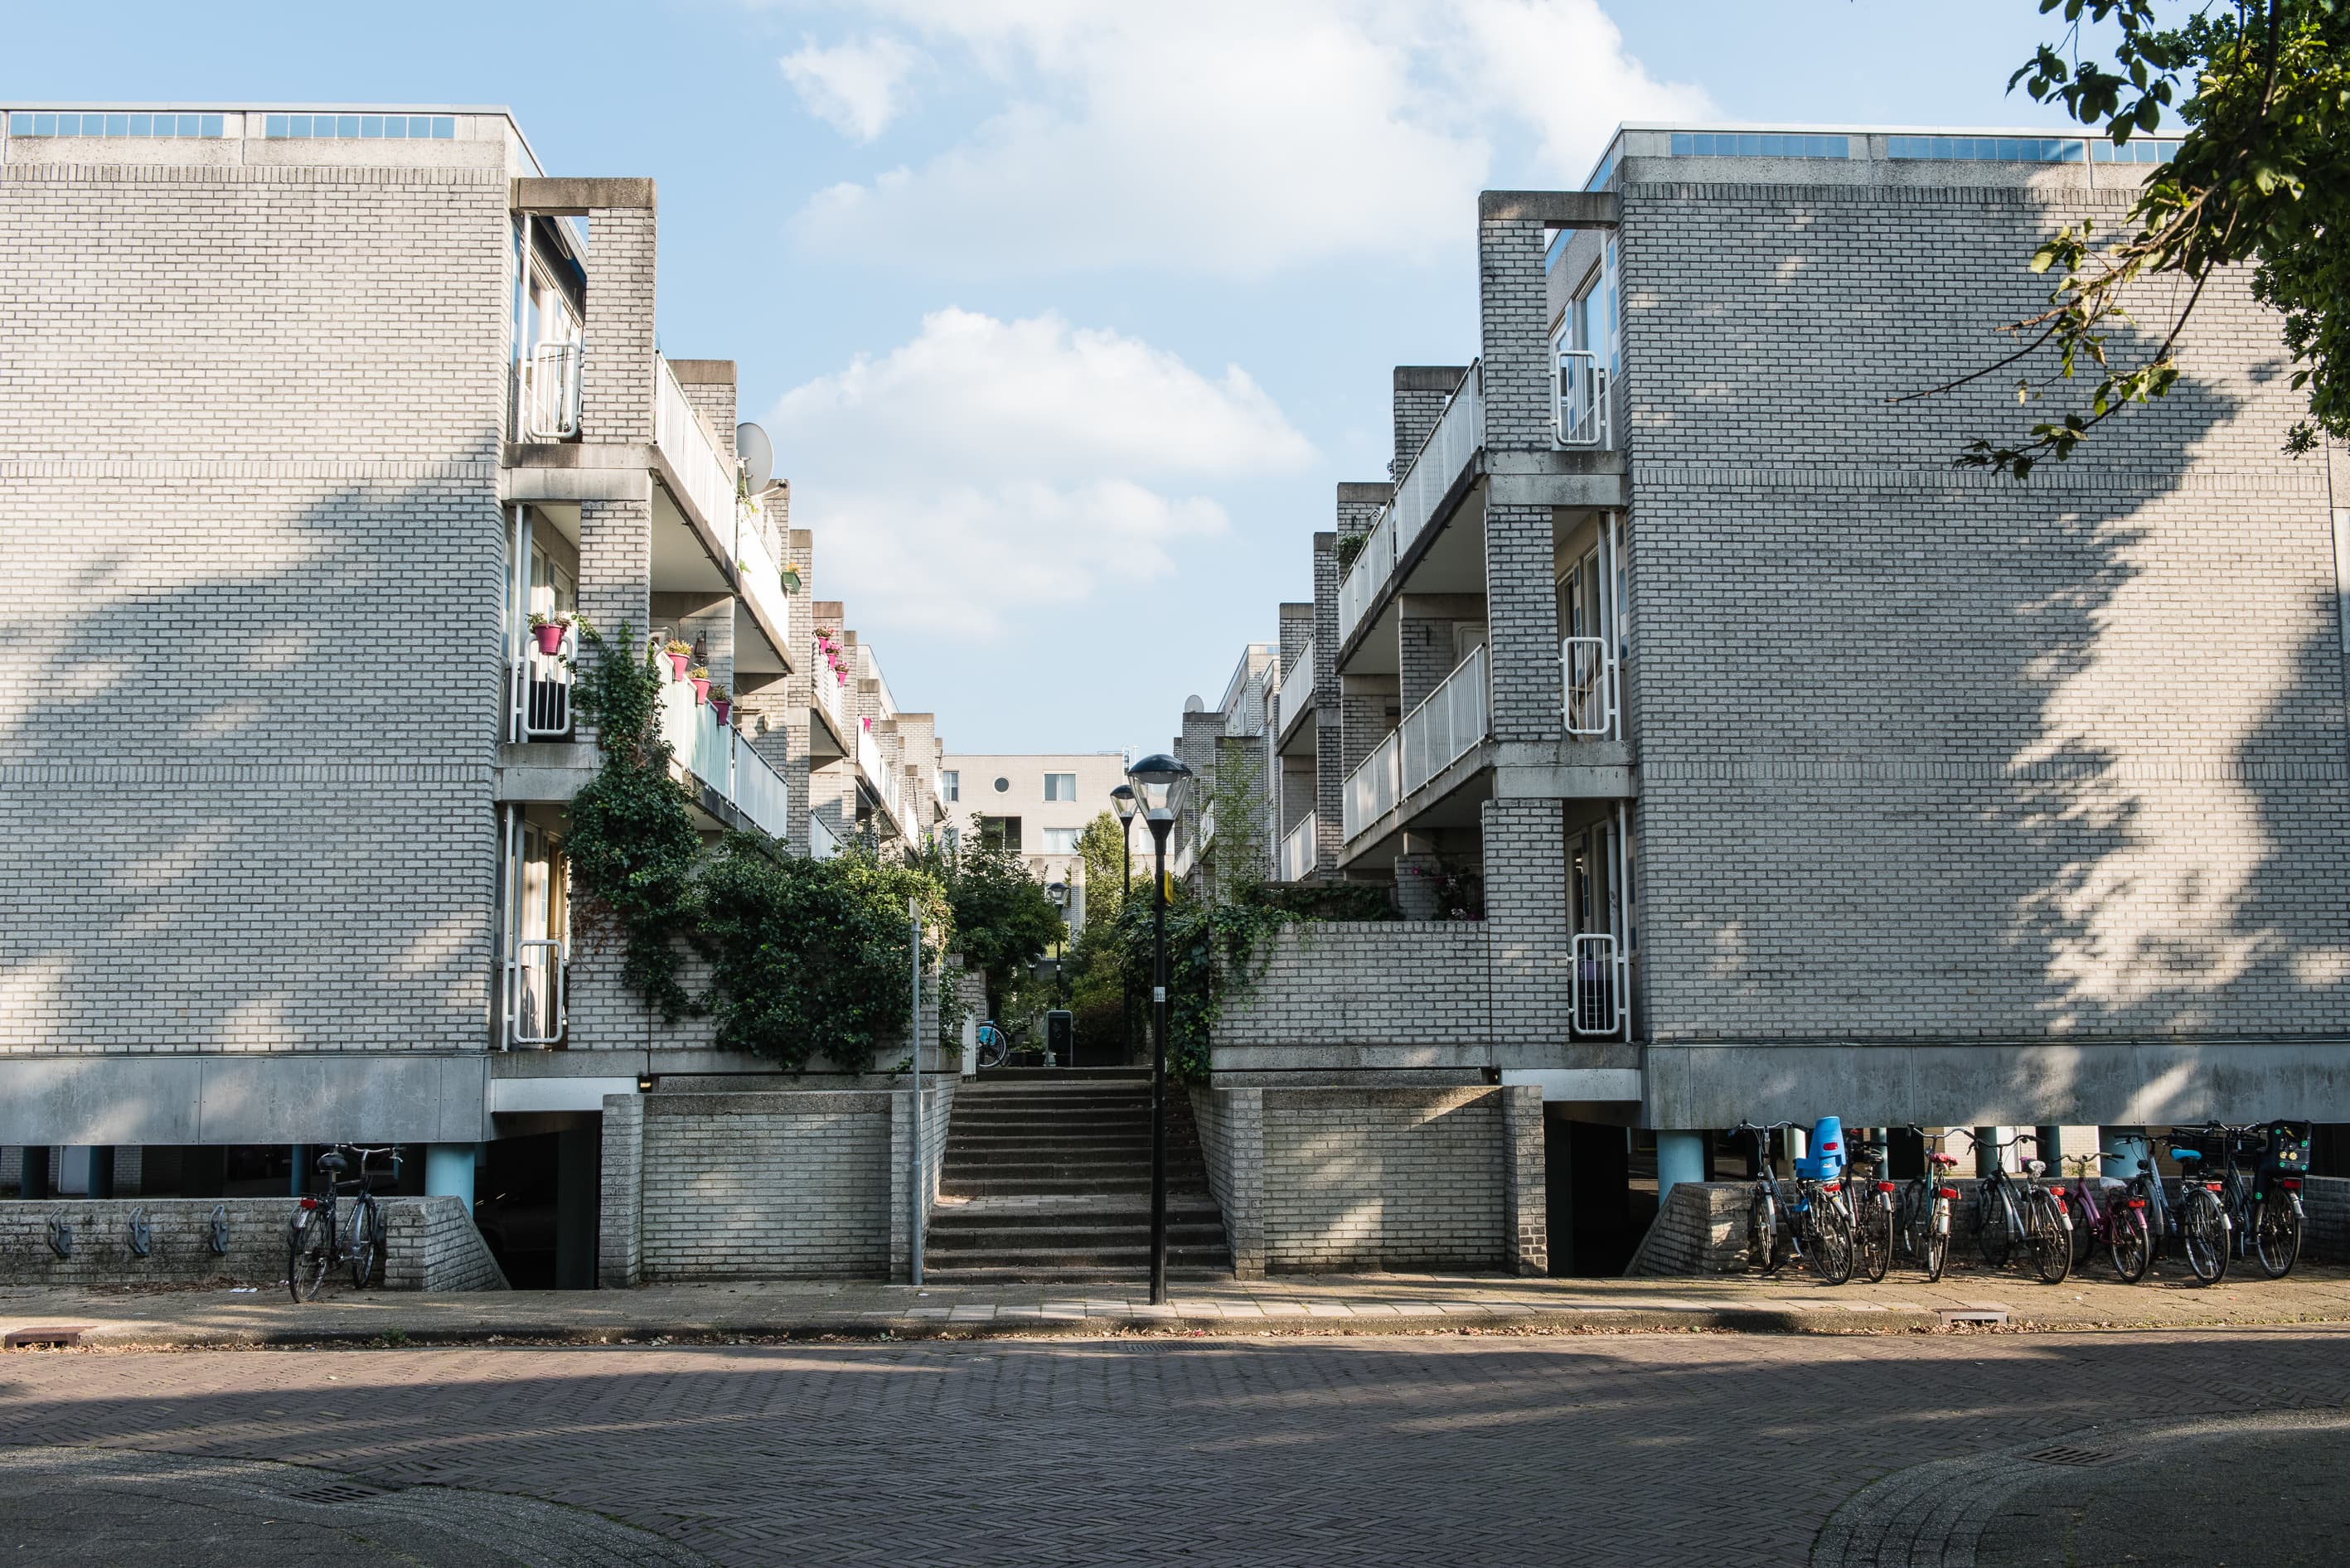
<point x="1001" y="785"/>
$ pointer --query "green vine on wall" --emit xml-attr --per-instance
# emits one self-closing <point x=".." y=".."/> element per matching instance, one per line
<point x="1215" y="954"/>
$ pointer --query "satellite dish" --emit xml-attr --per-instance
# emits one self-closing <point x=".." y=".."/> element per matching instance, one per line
<point x="758" y="455"/>
<point x="1193" y="705"/>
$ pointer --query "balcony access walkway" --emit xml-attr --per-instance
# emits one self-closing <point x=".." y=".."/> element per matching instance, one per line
<point x="1291" y="1304"/>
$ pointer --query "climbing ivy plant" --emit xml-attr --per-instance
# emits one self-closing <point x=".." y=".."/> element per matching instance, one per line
<point x="1215" y="953"/>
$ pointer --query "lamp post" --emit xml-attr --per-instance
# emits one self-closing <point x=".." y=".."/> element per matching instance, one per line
<point x="1121" y="800"/>
<point x="1158" y="783"/>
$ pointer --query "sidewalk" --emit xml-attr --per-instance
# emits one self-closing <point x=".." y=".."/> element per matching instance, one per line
<point x="1319" y="1304"/>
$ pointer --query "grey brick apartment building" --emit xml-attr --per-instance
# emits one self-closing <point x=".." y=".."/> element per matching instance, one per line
<point x="1804" y="772"/>
<point x="306" y="412"/>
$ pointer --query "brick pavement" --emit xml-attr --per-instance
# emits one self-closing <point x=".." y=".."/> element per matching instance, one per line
<point x="1382" y="1304"/>
<point x="1300" y="1450"/>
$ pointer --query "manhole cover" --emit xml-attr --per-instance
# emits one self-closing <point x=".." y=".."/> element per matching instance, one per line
<point x="2061" y="1455"/>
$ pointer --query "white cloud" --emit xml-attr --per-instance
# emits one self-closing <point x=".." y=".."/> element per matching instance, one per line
<point x="990" y="470"/>
<point x="1235" y="136"/>
<point x="854" y="86"/>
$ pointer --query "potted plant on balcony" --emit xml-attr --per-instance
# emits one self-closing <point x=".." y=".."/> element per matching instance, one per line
<point x="791" y="581"/>
<point x="679" y="653"/>
<point x="699" y="676"/>
<point x="722" y="701"/>
<point x="548" y="631"/>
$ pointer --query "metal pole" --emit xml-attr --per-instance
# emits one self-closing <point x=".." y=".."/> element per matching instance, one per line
<point x="1126" y="891"/>
<point x="914" y="1245"/>
<point x="1158" y="1069"/>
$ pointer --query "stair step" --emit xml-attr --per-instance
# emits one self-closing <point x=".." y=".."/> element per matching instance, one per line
<point x="1136" y="1256"/>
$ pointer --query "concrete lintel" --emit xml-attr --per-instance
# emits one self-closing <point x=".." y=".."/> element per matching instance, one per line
<point x="1369" y="685"/>
<point x="1429" y="378"/>
<point x="577" y="198"/>
<point x="1589" y="492"/>
<point x="511" y="1097"/>
<point x="1359" y="493"/>
<point x="703" y="372"/>
<point x="1578" y="1084"/>
<point x="618" y="472"/>
<point x="308" y="1097"/>
<point x="543" y="771"/>
<point x="1440" y="607"/>
<point x="1554" y="209"/>
<point x="1566" y="781"/>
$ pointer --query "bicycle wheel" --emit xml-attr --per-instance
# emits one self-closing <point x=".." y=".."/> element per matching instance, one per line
<point x="993" y="1049"/>
<point x="1911" y="1217"/>
<point x="1934" y="1244"/>
<point x="1872" y="1237"/>
<point x="367" y="1242"/>
<point x="2084" y="1235"/>
<point x="1831" y="1248"/>
<point x="1994" y="1237"/>
<point x="2203" y="1231"/>
<point x="2052" y="1236"/>
<point x="2132" y="1245"/>
<point x="1763" y="1233"/>
<point x="310" y="1249"/>
<point x="2276" y="1236"/>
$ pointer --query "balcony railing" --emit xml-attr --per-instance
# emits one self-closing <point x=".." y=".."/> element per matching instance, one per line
<point x="1418" y="490"/>
<point x="823" y="842"/>
<point x="541" y="688"/>
<point x="1297" y="691"/>
<point x="1588" y="665"/>
<point x="704" y="470"/>
<point x="1371" y="790"/>
<point x="1448" y="723"/>
<point x="534" y="992"/>
<point x="831" y="690"/>
<point x="762" y="580"/>
<point x="1579" y="412"/>
<point x="1296" y="860"/>
<point x="759" y="792"/>
<point x="696" y="739"/>
<point x="547" y="399"/>
<point x="1207" y="827"/>
<point x="876" y="769"/>
<point x="1599" y="993"/>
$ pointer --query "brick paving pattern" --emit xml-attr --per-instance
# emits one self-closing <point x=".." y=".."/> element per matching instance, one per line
<point x="1430" y="1451"/>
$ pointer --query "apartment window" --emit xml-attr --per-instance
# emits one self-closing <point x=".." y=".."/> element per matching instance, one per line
<point x="1060" y="786"/>
<point x="949" y="785"/>
<point x="1000" y="833"/>
<point x="1749" y="144"/>
<point x="1059" y="841"/>
<point x="362" y="127"/>
<point x="1989" y="149"/>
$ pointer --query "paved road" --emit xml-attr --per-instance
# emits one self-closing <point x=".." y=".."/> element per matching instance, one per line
<point x="1638" y="1449"/>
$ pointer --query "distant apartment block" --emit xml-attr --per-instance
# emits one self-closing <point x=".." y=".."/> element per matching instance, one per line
<point x="1034" y="804"/>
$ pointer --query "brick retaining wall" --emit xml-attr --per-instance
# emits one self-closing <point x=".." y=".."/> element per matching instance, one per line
<point x="429" y="1245"/>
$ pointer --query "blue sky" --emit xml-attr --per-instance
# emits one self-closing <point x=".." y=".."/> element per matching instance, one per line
<point x="1066" y="315"/>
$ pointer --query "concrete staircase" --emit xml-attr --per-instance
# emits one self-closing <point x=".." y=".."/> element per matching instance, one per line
<point x="1047" y="1178"/>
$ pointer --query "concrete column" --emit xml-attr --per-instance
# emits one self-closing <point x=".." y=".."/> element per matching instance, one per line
<point x="1244" y="1201"/>
<point x="1525" y="1188"/>
<point x="1681" y="1157"/>
<point x="620" y="1241"/>
<point x="449" y="1172"/>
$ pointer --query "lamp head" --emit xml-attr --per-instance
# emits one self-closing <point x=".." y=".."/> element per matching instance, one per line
<point x="1122" y="801"/>
<point x="1158" y="784"/>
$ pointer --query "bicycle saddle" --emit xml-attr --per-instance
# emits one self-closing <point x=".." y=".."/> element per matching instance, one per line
<point x="2036" y="1167"/>
<point x="332" y="1160"/>
<point x="1941" y="1159"/>
<point x="2184" y="1155"/>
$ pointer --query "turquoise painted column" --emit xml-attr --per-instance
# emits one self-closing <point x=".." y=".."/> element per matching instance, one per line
<point x="449" y="1172"/>
<point x="2132" y="1149"/>
<point x="1681" y="1157"/>
<point x="298" y="1183"/>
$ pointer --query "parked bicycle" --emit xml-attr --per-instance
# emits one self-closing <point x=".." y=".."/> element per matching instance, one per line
<point x="994" y="1049"/>
<point x="314" y="1244"/>
<point x="1869" y="1196"/>
<point x="1810" y="1220"/>
<point x="2261" y="1165"/>
<point x="2105" y="1213"/>
<point x="1924" y="1220"/>
<point x="2007" y="1211"/>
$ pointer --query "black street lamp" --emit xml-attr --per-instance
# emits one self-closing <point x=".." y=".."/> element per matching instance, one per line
<point x="1121" y="800"/>
<point x="1158" y="783"/>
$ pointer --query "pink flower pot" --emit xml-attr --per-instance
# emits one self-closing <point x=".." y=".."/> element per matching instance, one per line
<point x="702" y="691"/>
<point x="723" y="708"/>
<point x="550" y="639"/>
<point x="677" y="663"/>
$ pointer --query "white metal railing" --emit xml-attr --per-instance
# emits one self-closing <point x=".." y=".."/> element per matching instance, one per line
<point x="823" y="842"/>
<point x="548" y="397"/>
<point x="542" y="686"/>
<point x="762" y="580"/>
<point x="1296" y="862"/>
<point x="869" y="763"/>
<point x="1297" y="691"/>
<point x="696" y="739"/>
<point x="693" y="453"/>
<point x="1449" y="448"/>
<point x="1587" y="667"/>
<point x="1448" y="723"/>
<point x="1580" y="401"/>
<point x="1371" y="788"/>
<point x="1600" y="994"/>
<point x="831" y="690"/>
<point x="1207" y="826"/>
<point x="1370" y="573"/>
<point x="759" y="792"/>
<point x="536" y="1003"/>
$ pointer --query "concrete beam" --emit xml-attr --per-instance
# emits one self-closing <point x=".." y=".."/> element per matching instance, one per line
<point x="577" y="198"/>
<point x="1555" y="209"/>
